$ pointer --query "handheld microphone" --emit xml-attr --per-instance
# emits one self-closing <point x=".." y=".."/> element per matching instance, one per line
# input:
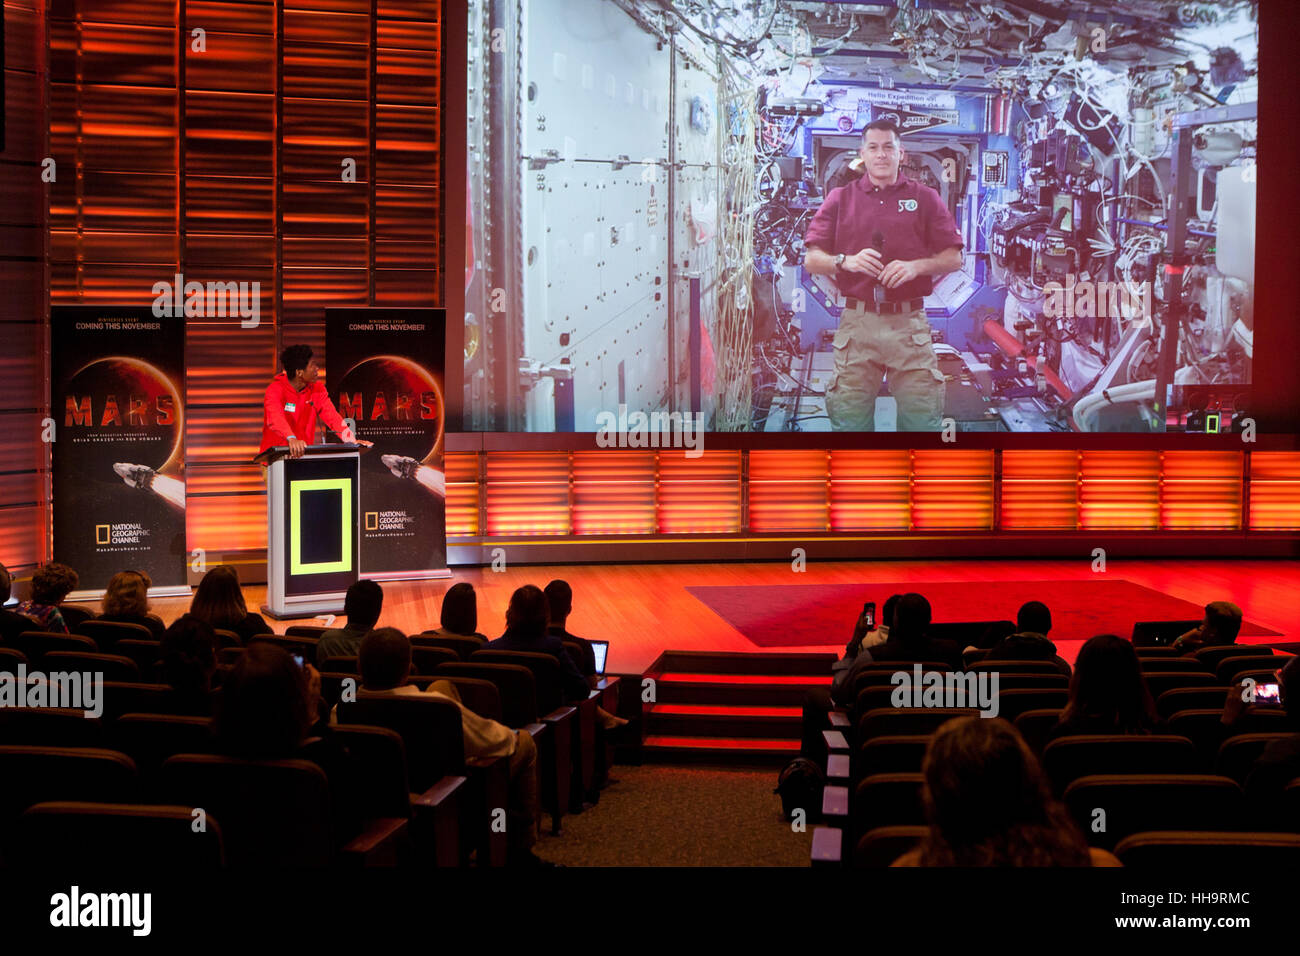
<point x="878" y="244"/>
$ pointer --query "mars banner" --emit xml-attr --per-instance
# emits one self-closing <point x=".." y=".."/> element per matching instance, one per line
<point x="384" y="371"/>
<point x="118" y="432"/>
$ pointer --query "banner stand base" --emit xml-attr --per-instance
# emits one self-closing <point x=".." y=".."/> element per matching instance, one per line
<point x="304" y="610"/>
<point x="163" y="591"/>
<point x="406" y="575"/>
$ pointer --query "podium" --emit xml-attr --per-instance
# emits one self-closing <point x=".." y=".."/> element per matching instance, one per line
<point x="312" y="504"/>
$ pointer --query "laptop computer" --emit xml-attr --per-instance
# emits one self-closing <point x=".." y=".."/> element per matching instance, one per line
<point x="601" y="650"/>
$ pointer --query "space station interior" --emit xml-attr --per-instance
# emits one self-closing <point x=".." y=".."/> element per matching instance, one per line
<point x="642" y="175"/>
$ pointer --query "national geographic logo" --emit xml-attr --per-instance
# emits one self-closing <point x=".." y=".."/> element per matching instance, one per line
<point x="388" y="523"/>
<point x="126" y="533"/>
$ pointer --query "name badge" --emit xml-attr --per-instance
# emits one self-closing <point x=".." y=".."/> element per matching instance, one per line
<point x="289" y="406"/>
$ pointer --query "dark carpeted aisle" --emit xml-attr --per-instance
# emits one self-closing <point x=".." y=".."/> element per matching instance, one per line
<point x="681" y="816"/>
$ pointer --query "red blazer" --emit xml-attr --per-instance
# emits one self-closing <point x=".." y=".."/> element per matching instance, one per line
<point x="288" y="412"/>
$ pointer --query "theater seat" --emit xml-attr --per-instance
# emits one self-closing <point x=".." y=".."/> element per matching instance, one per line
<point x="50" y="727"/>
<point x="1036" y="726"/>
<point x="554" y="731"/>
<point x="1133" y="803"/>
<point x="430" y="729"/>
<point x="881" y="846"/>
<point x="425" y="660"/>
<point x="305" y="647"/>
<point x="1212" y="657"/>
<point x="111" y="666"/>
<point x="907" y="721"/>
<point x="889" y="754"/>
<point x="275" y="813"/>
<point x="1013" y="703"/>
<point x="1190" y="698"/>
<point x="886" y="799"/>
<point x="35" y="644"/>
<point x="145" y="652"/>
<point x="339" y="665"/>
<point x="462" y="646"/>
<point x="35" y="775"/>
<point x="74" y="617"/>
<point x="150" y="739"/>
<point x="1222" y="852"/>
<point x="1069" y="758"/>
<point x="10" y="658"/>
<point x="107" y="634"/>
<point x="1160" y="681"/>
<point x="106" y="836"/>
<point x="310" y="631"/>
<point x="1237" y="754"/>
<point x="1230" y="669"/>
<point x="379" y="756"/>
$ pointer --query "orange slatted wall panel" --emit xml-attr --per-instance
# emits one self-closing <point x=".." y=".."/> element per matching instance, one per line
<point x="23" y="456"/>
<point x="462" y="493"/>
<point x="299" y="150"/>
<point x="871" y="490"/>
<point x="1200" y="490"/>
<point x="699" y="495"/>
<point x="952" y="490"/>
<point x="1274" y="490"/>
<point x="1120" y="491"/>
<point x="1040" y="490"/>
<point x="788" y="491"/>
<point x="613" y="492"/>
<point x="528" y="493"/>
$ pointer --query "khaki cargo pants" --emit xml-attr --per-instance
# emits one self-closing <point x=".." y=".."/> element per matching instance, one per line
<point x="867" y="345"/>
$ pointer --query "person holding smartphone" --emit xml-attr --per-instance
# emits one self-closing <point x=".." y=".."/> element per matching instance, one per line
<point x="868" y="632"/>
<point x="1279" y="764"/>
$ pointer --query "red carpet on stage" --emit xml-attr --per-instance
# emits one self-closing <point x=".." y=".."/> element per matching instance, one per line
<point x="799" y="615"/>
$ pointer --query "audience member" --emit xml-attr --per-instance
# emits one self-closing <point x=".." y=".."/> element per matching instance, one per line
<point x="267" y="711"/>
<point x="220" y="601"/>
<point x="364" y="601"/>
<point x="1107" y="692"/>
<point x="988" y="803"/>
<point x="385" y="672"/>
<point x="864" y="639"/>
<point x="50" y="585"/>
<point x="127" y="602"/>
<point x="993" y="635"/>
<point x="11" y="623"/>
<point x="526" y="620"/>
<point x="559" y="600"/>
<point x="189" y="663"/>
<point x="1221" y="625"/>
<point x="908" y="641"/>
<point x="1030" y="642"/>
<point x="459" y="616"/>
<point x="1279" y="764"/>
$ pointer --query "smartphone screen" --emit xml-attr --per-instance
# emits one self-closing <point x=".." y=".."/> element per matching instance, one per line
<point x="297" y="659"/>
<point x="1269" y="695"/>
<point x="869" y="612"/>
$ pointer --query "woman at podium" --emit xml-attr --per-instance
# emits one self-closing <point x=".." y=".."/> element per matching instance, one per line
<point x="294" y="400"/>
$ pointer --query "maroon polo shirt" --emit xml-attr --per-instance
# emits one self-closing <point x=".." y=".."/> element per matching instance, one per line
<point x="910" y="216"/>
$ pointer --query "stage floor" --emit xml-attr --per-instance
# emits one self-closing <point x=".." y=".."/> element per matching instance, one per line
<point x="644" y="609"/>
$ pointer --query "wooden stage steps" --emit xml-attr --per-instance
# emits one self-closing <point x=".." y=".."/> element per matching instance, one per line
<point x="719" y="707"/>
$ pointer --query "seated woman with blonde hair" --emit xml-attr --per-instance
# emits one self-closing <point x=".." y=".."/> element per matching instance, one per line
<point x="127" y="602"/>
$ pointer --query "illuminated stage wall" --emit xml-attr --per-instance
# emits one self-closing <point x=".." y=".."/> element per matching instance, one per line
<point x="293" y="145"/>
<point x="300" y="146"/>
